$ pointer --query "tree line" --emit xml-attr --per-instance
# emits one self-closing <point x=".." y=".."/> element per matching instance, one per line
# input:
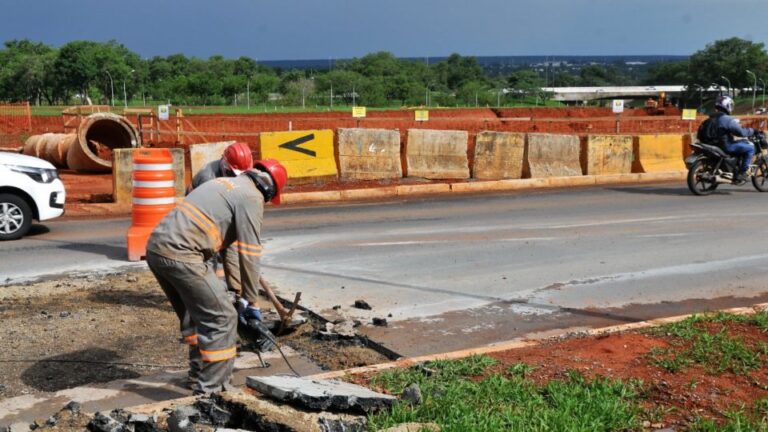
<point x="82" y="72"/>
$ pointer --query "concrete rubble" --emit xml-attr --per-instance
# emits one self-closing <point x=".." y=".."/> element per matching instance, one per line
<point x="253" y="413"/>
<point x="320" y="395"/>
<point x="343" y="330"/>
<point x="362" y="304"/>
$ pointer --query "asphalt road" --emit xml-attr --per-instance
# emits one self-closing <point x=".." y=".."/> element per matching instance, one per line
<point x="451" y="273"/>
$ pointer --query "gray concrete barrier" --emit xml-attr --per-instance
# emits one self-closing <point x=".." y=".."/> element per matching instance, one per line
<point x="201" y="154"/>
<point x="498" y="155"/>
<point x="437" y="154"/>
<point x="369" y="154"/>
<point x="608" y="154"/>
<point x="554" y="155"/>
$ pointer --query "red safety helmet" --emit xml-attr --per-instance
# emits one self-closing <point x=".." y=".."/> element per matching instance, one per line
<point x="278" y="173"/>
<point x="237" y="158"/>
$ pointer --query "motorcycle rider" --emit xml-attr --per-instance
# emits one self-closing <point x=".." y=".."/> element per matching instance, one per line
<point x="730" y="127"/>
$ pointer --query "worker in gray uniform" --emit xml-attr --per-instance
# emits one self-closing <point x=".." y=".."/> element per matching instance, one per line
<point x="224" y="214"/>
<point x="236" y="159"/>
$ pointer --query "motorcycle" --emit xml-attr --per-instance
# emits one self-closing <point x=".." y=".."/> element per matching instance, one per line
<point x="709" y="166"/>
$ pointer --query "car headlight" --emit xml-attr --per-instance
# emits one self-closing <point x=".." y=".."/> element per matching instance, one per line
<point x="40" y="175"/>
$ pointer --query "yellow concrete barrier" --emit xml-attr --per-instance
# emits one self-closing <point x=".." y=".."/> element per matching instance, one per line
<point x="437" y="154"/>
<point x="369" y="154"/>
<point x="498" y="155"/>
<point x="659" y="153"/>
<point x="122" y="171"/>
<point x="608" y="154"/>
<point x="304" y="153"/>
<point x="201" y="155"/>
<point x="552" y="155"/>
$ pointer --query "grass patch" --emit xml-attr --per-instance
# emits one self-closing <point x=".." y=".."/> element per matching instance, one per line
<point x="465" y="396"/>
<point x="741" y="420"/>
<point x="693" y="343"/>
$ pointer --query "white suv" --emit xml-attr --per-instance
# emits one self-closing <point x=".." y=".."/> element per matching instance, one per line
<point x="29" y="189"/>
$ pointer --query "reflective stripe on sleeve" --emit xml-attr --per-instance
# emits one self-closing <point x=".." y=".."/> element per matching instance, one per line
<point x="248" y="249"/>
<point x="218" y="355"/>
<point x="190" y="340"/>
<point x="205" y="223"/>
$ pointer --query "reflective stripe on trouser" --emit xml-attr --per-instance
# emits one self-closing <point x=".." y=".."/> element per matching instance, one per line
<point x="202" y="303"/>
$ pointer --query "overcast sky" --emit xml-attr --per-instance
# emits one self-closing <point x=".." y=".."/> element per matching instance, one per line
<point x="319" y="29"/>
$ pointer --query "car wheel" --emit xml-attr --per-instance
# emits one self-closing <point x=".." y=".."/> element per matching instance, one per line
<point x="15" y="217"/>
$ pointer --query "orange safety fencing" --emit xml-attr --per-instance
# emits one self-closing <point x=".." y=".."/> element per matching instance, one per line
<point x="15" y="121"/>
<point x="181" y="130"/>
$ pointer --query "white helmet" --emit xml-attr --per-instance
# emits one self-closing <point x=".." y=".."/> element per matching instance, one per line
<point x="725" y="103"/>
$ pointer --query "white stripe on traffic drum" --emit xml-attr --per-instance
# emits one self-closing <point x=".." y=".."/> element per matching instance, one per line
<point x="154" y="201"/>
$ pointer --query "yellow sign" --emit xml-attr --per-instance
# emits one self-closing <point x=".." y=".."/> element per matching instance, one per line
<point x="422" y="115"/>
<point x="358" y="112"/>
<point x="689" y="114"/>
<point x="304" y="153"/>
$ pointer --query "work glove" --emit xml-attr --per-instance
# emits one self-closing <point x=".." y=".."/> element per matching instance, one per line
<point x="247" y="311"/>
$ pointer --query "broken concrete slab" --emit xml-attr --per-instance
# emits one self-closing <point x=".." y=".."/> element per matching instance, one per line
<point x="17" y="427"/>
<point x="183" y="419"/>
<point x="342" y="330"/>
<point x="105" y="423"/>
<point x="254" y="413"/>
<point x="321" y="394"/>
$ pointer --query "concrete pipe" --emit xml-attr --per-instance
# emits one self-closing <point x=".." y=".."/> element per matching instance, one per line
<point x="30" y="146"/>
<point x="97" y="136"/>
<point x="56" y="147"/>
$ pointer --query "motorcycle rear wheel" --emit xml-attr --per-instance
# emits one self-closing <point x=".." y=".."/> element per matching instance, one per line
<point x="760" y="179"/>
<point x="696" y="184"/>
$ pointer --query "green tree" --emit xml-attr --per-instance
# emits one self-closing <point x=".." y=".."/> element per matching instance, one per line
<point x="598" y="75"/>
<point x="26" y="70"/>
<point x="456" y="70"/>
<point x="525" y="82"/>
<point x="668" y="73"/>
<point x="730" y="58"/>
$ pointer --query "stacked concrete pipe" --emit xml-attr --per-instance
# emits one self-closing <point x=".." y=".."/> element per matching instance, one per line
<point x="90" y="149"/>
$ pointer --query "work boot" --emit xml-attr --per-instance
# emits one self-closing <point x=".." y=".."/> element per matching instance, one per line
<point x="740" y="179"/>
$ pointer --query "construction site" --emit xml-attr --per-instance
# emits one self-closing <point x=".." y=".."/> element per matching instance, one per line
<point x="426" y="270"/>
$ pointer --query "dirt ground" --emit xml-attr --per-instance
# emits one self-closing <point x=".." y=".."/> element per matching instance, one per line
<point x="683" y="394"/>
<point x="68" y="332"/>
<point x="72" y="331"/>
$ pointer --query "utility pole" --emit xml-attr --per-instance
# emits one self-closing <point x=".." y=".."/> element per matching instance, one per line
<point x="125" y="95"/>
<point x="729" y="85"/>
<point x="754" y="88"/>
<point x="248" y="92"/>
<point x="763" y="83"/>
<point x="111" y="86"/>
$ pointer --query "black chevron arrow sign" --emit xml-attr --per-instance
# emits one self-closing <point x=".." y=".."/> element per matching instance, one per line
<point x="295" y="145"/>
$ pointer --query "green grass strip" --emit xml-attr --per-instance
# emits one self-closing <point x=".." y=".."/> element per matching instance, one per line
<point x="716" y="352"/>
<point x="459" y="397"/>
